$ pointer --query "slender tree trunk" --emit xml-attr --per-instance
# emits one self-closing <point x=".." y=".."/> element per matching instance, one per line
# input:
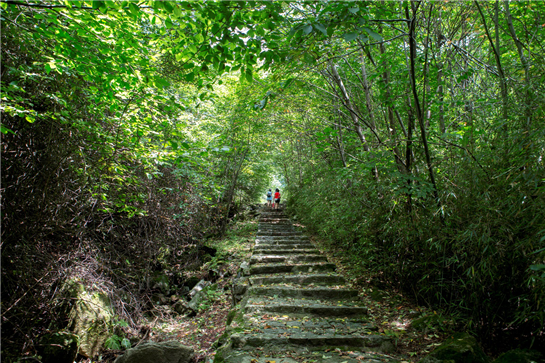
<point x="441" y="95"/>
<point x="367" y="90"/>
<point x="419" y="115"/>
<point x="231" y="192"/>
<point x="390" y="114"/>
<point x="340" y="142"/>
<point x="525" y="65"/>
<point x="503" y="85"/>
<point x="348" y="104"/>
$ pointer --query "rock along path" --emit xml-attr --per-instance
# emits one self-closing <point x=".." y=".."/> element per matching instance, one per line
<point x="296" y="308"/>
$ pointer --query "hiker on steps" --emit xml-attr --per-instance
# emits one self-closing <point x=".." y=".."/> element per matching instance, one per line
<point x="277" y="199"/>
<point x="269" y="198"/>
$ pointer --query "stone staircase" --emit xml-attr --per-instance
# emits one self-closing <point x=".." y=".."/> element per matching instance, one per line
<point x="296" y="308"/>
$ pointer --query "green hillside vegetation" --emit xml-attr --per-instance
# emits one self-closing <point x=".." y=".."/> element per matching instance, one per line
<point x="408" y="134"/>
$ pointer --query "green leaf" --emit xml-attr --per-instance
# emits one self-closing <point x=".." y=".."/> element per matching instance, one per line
<point x="350" y="36"/>
<point x="161" y="82"/>
<point x="309" y="59"/>
<point x="97" y="4"/>
<point x="126" y="343"/>
<point x="249" y="74"/>
<point x="5" y="130"/>
<point x="190" y="77"/>
<point x="321" y="28"/>
<point x="354" y="10"/>
<point x="307" y="29"/>
<point x="373" y="35"/>
<point x="30" y="118"/>
<point x="168" y="6"/>
<point x="287" y="83"/>
<point x="134" y="9"/>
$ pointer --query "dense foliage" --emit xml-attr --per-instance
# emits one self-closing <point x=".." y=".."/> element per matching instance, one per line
<point x="418" y="147"/>
<point x="118" y="160"/>
<point x="409" y="133"/>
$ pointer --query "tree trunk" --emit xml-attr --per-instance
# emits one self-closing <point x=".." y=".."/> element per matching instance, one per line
<point x="348" y="105"/>
<point x="503" y="85"/>
<point x="525" y="65"/>
<point x="419" y="115"/>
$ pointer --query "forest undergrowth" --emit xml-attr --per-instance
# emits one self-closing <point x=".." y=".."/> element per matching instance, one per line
<point x="389" y="251"/>
<point x="203" y="330"/>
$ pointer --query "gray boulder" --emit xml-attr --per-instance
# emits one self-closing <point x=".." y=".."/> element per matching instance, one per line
<point x="91" y="318"/>
<point x="461" y="348"/>
<point x="151" y="352"/>
<point x="239" y="288"/>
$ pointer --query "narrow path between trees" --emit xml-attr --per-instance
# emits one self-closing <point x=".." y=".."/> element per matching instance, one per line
<point x="297" y="308"/>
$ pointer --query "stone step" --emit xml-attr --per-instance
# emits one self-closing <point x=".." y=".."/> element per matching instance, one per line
<point x="271" y="219"/>
<point x="261" y="245"/>
<point x="277" y="226"/>
<point x="281" y="239"/>
<point x="282" y="250"/>
<point x="323" y="293"/>
<point x="263" y="238"/>
<point x="286" y="226"/>
<point x="358" y="325"/>
<point x="303" y="307"/>
<point x="301" y="279"/>
<point x="281" y="236"/>
<point x="284" y="245"/>
<point x="299" y="354"/>
<point x="270" y="231"/>
<point x="377" y="343"/>
<point x="272" y="215"/>
<point x="278" y="233"/>
<point x="293" y="268"/>
<point x="286" y="259"/>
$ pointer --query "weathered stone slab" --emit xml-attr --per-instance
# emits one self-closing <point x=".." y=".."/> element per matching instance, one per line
<point x="379" y="343"/>
<point x="284" y="250"/>
<point x="311" y="307"/>
<point x="317" y="279"/>
<point x="283" y="238"/>
<point x="287" y="259"/>
<point x="295" y="355"/>
<point x="301" y="268"/>
<point x="323" y="293"/>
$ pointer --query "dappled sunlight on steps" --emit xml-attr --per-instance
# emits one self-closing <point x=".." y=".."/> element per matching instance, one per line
<point x="297" y="308"/>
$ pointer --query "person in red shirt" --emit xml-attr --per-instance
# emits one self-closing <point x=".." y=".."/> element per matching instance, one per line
<point x="277" y="199"/>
